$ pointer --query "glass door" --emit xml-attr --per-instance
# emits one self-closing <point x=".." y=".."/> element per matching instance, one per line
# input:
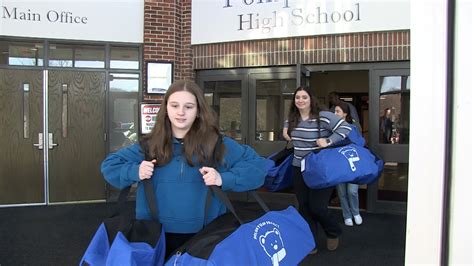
<point x="252" y="104"/>
<point x="270" y="100"/>
<point x="228" y="97"/>
<point x="21" y="137"/>
<point x="390" y="97"/>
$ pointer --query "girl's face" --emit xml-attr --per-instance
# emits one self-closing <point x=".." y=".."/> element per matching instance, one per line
<point x="338" y="111"/>
<point x="302" y="100"/>
<point x="182" y="111"/>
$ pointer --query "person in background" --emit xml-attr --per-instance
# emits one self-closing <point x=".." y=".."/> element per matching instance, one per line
<point x="348" y="193"/>
<point x="386" y="126"/>
<point x="308" y="128"/>
<point x="185" y="162"/>
<point x="334" y="99"/>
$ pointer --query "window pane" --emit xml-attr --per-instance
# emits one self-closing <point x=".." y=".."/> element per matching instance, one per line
<point x="225" y="98"/>
<point x="394" y="110"/>
<point x="60" y="55"/>
<point x="21" y="54"/>
<point x="124" y="58"/>
<point x="90" y="56"/>
<point x="393" y="183"/>
<point x="123" y="106"/>
<point x="391" y="83"/>
<point x="273" y="102"/>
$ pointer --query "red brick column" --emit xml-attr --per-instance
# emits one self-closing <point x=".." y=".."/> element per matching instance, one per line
<point x="167" y="37"/>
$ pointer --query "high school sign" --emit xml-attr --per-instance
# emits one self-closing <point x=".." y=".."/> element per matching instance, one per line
<point x="236" y="20"/>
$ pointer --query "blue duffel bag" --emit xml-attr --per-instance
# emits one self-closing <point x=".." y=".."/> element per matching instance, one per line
<point x="123" y="240"/>
<point x="248" y="237"/>
<point x="280" y="174"/>
<point x="350" y="163"/>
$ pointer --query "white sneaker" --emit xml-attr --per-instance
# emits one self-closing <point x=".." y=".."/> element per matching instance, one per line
<point x="358" y="219"/>
<point x="348" y="222"/>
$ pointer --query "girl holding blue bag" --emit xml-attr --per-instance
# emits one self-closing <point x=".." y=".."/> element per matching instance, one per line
<point x="309" y="128"/>
<point x="347" y="192"/>
<point x="186" y="160"/>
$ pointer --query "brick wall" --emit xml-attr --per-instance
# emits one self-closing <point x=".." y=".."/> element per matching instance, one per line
<point x="342" y="48"/>
<point x="167" y="37"/>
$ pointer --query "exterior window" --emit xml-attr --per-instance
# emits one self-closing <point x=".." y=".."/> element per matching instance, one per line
<point x="60" y="56"/>
<point x="76" y="56"/>
<point x="123" y="106"/>
<point x="124" y="57"/>
<point x="21" y="54"/>
<point x="226" y="99"/>
<point x="394" y="110"/>
<point x="273" y="103"/>
<point x="90" y="56"/>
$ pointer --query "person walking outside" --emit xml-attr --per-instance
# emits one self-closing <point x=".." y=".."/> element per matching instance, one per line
<point x="309" y="127"/>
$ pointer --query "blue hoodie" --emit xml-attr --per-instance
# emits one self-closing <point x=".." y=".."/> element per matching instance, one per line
<point x="179" y="187"/>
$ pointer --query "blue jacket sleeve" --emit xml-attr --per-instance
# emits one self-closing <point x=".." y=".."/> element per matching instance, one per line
<point x="120" y="169"/>
<point x="244" y="168"/>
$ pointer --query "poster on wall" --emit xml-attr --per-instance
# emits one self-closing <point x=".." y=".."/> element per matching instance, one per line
<point x="159" y="77"/>
<point x="148" y="114"/>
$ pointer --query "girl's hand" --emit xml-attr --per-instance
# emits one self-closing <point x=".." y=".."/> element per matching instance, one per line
<point x="145" y="171"/>
<point x="210" y="176"/>
<point x="323" y="142"/>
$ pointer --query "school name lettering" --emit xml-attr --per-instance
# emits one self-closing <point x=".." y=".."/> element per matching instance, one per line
<point x="290" y="16"/>
<point x="53" y="16"/>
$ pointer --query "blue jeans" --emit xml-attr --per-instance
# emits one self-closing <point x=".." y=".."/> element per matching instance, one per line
<point x="349" y="198"/>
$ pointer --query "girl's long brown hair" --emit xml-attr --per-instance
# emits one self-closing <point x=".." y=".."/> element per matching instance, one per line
<point x="294" y="114"/>
<point x="199" y="142"/>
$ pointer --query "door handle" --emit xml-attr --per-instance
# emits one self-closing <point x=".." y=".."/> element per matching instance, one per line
<point x="40" y="142"/>
<point x="51" y="144"/>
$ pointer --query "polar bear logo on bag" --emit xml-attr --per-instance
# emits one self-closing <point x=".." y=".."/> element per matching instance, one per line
<point x="351" y="155"/>
<point x="273" y="245"/>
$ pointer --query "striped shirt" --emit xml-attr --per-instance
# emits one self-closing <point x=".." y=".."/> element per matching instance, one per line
<point x="306" y="133"/>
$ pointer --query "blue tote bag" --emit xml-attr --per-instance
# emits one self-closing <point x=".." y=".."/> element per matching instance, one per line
<point x="350" y="163"/>
<point x="123" y="240"/>
<point x="280" y="174"/>
<point x="249" y="238"/>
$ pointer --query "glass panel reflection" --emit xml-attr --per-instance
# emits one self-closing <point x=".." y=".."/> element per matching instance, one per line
<point x="393" y="184"/>
<point x="21" y="54"/>
<point x="90" y="56"/>
<point x="124" y="57"/>
<point x="123" y="110"/>
<point x="225" y="98"/>
<point x="273" y="102"/>
<point x="60" y="55"/>
<point x="394" y="110"/>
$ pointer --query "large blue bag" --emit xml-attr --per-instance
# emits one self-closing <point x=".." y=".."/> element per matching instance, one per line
<point x="274" y="238"/>
<point x="330" y="166"/>
<point x="123" y="240"/>
<point x="280" y="174"/>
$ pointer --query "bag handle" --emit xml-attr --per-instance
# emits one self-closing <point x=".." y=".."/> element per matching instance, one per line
<point x="225" y="199"/>
<point x="223" y="196"/>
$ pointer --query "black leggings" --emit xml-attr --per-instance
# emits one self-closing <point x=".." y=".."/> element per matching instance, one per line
<point x="313" y="206"/>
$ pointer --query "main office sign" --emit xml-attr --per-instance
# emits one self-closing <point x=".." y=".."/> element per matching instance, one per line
<point x="236" y="20"/>
<point x="100" y="20"/>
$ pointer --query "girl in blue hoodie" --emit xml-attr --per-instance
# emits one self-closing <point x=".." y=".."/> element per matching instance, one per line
<point x="184" y="164"/>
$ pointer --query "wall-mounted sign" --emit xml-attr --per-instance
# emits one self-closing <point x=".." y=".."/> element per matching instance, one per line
<point x="100" y="20"/>
<point x="257" y="19"/>
<point x="159" y="76"/>
<point x="148" y="114"/>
